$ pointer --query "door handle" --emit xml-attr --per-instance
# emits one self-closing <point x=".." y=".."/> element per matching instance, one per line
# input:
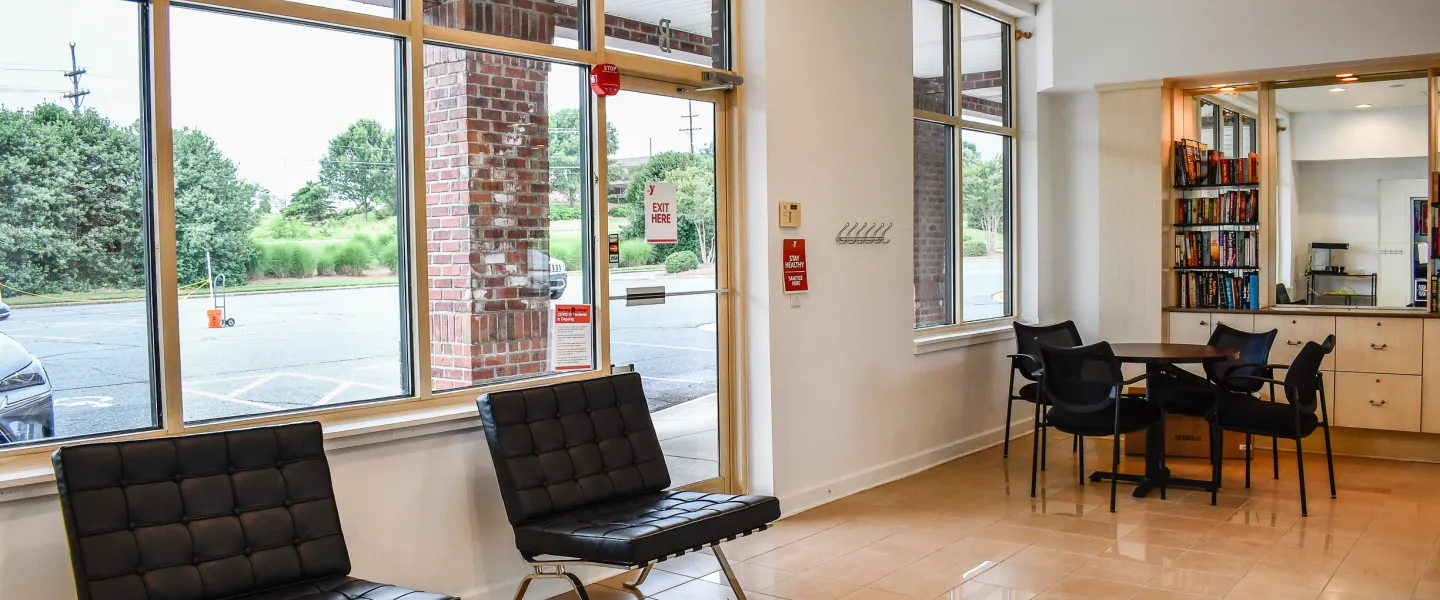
<point x="1293" y="343"/>
<point x="1377" y="404"/>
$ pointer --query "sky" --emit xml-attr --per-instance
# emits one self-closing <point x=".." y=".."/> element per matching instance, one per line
<point x="271" y="94"/>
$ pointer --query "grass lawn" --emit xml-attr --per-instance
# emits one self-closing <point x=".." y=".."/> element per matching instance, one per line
<point x="316" y="283"/>
<point x="980" y="235"/>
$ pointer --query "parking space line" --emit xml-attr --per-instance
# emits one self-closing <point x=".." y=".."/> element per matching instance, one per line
<point x="332" y="394"/>
<point x="232" y="399"/>
<point x="259" y="381"/>
<point x="663" y="346"/>
<point x="676" y="380"/>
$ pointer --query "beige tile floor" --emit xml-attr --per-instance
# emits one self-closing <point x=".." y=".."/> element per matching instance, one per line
<point x="969" y="530"/>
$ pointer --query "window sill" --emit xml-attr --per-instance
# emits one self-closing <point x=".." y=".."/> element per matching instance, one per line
<point x="34" y="477"/>
<point x="964" y="337"/>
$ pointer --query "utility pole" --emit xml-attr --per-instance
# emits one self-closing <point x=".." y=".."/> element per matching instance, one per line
<point x="77" y="96"/>
<point x="689" y="108"/>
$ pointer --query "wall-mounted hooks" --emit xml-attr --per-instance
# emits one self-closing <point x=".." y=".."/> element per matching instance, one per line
<point x="864" y="233"/>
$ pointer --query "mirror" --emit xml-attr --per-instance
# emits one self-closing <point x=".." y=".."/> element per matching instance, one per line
<point x="1350" y="201"/>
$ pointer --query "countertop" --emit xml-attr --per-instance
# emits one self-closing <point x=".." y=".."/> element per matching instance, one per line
<point x="1321" y="311"/>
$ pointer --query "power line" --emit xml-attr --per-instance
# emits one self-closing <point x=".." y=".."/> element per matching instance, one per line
<point x="76" y="95"/>
<point x="689" y="108"/>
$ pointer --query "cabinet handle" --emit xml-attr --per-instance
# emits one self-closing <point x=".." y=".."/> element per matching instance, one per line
<point x="1293" y="322"/>
<point x="1204" y="323"/>
<point x="1377" y="324"/>
<point x="1293" y="343"/>
<point x="1380" y="347"/>
<point x="1377" y="404"/>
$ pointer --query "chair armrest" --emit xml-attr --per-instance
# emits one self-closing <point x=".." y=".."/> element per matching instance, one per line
<point x="1017" y="362"/>
<point x="1135" y="379"/>
<point x="1252" y="377"/>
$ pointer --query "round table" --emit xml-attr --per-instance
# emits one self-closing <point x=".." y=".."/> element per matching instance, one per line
<point x="1155" y="356"/>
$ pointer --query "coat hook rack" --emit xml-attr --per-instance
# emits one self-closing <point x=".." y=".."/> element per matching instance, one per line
<point x="864" y="233"/>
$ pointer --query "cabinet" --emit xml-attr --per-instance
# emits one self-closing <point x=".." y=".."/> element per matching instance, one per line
<point x="1190" y="328"/>
<point x="1378" y="345"/>
<point x="1377" y="401"/>
<point x="1430" y="405"/>
<point x="1242" y="321"/>
<point x="1293" y="332"/>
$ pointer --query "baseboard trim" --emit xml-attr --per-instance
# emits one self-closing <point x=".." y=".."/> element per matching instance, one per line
<point x="900" y="468"/>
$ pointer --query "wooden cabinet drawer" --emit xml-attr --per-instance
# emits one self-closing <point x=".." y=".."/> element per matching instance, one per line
<point x="1293" y="332"/>
<point x="1241" y="321"/>
<point x="1190" y="328"/>
<point x="1375" y="345"/>
<point x="1430" y="409"/>
<point x="1370" y="401"/>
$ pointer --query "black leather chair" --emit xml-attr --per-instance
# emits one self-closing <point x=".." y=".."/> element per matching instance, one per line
<point x="584" y="481"/>
<point x="1295" y="419"/>
<point x="1026" y="362"/>
<point x="1184" y="393"/>
<point x="1086" y="388"/>
<point x="239" y="515"/>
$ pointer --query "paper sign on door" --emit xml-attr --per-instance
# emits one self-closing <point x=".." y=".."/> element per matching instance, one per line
<point x="792" y="265"/>
<point x="571" y="337"/>
<point x="661" y="220"/>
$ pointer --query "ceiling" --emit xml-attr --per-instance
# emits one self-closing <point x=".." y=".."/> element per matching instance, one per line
<point x="980" y="40"/>
<point x="1378" y="94"/>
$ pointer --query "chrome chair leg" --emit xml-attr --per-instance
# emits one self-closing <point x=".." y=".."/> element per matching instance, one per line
<point x="558" y="573"/>
<point x="729" y="574"/>
<point x="644" y="573"/>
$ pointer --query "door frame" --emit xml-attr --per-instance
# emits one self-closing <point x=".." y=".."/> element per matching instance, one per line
<point x="728" y="398"/>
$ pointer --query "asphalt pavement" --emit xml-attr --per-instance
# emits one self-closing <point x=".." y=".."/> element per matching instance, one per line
<point x="303" y="349"/>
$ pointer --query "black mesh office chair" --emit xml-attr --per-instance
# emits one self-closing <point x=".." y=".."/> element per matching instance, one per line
<point x="1086" y="389"/>
<point x="1184" y="393"/>
<point x="1304" y="386"/>
<point x="1026" y="362"/>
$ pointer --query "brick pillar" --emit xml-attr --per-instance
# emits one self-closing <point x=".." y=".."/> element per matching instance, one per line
<point x="932" y="224"/>
<point x="487" y="199"/>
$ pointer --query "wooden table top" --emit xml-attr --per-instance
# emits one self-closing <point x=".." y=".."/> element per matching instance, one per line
<point x="1170" y="353"/>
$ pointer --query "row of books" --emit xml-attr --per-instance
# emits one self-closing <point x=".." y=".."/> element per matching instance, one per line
<point x="1217" y="249"/>
<point x="1241" y="206"/>
<point x="1220" y="290"/>
<point x="1197" y="164"/>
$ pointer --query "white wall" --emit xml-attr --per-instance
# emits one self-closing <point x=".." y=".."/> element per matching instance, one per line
<point x="849" y="404"/>
<point x="1372" y="133"/>
<point x="1070" y="216"/>
<point x="1339" y="201"/>
<point x="1121" y="41"/>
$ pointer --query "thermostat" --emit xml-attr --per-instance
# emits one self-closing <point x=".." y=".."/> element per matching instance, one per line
<point x="789" y="214"/>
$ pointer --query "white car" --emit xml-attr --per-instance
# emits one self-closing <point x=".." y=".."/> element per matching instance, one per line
<point x="27" y="411"/>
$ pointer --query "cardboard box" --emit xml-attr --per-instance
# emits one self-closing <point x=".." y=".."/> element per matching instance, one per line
<point x="1188" y="437"/>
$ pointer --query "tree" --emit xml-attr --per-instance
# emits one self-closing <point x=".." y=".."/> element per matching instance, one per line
<point x="360" y="167"/>
<point x="695" y="199"/>
<point x="565" y="156"/>
<point x="983" y="193"/>
<point x="73" y="203"/>
<point x="311" y="203"/>
<point x="694" y="179"/>
<point x="212" y="210"/>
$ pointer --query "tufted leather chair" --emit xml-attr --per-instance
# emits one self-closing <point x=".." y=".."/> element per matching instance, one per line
<point x="583" y="479"/>
<point x="239" y="515"/>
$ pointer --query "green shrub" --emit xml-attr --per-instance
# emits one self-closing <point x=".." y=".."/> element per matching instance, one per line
<point x="325" y="264"/>
<point x="634" y="253"/>
<point x="567" y="250"/>
<point x="681" y="261"/>
<point x="389" y="255"/>
<point x="365" y="240"/>
<point x="975" y="248"/>
<point x="384" y="239"/>
<point x="970" y="237"/>
<point x="286" y="260"/>
<point x="350" y="258"/>
<point x="285" y="228"/>
<point x="617" y="210"/>
<point x="564" y="212"/>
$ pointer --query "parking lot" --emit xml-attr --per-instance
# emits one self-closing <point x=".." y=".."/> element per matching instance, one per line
<point x="302" y="349"/>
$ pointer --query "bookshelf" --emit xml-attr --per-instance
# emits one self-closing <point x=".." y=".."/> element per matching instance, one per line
<point x="1214" y="223"/>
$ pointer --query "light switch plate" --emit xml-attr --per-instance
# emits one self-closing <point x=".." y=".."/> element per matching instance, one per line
<point x="789" y="214"/>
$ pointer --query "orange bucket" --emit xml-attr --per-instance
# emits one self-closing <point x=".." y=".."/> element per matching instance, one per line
<point x="215" y="321"/>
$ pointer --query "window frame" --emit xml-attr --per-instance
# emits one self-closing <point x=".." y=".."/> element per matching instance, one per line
<point x="423" y="404"/>
<point x="957" y="325"/>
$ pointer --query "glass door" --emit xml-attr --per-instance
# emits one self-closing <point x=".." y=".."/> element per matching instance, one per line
<point x="668" y="289"/>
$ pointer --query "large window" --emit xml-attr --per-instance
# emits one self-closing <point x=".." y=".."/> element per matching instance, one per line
<point x="964" y="198"/>
<point x="287" y="183"/>
<point x="77" y="344"/>
<point x="283" y="210"/>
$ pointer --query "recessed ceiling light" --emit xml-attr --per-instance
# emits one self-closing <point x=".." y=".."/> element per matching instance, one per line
<point x="1344" y="75"/>
<point x="1349" y="79"/>
<point x="1362" y="106"/>
<point x="1337" y="89"/>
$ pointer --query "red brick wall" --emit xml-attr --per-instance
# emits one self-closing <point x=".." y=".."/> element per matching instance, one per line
<point x="487" y="202"/>
<point x="932" y="224"/>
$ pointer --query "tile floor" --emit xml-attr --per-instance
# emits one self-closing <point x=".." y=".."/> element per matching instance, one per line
<point x="969" y="530"/>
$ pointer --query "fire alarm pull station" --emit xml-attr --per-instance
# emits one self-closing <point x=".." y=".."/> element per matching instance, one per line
<point x="605" y="80"/>
<point x="789" y="214"/>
